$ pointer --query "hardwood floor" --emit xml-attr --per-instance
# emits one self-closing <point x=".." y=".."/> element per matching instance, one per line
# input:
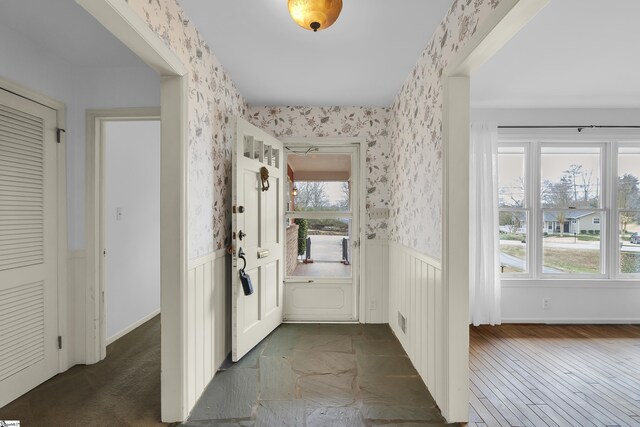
<point x="122" y="390"/>
<point x="544" y="375"/>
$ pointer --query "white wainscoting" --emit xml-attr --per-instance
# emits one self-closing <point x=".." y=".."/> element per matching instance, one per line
<point x="207" y="321"/>
<point x="76" y="316"/>
<point x="570" y="301"/>
<point x="376" y="281"/>
<point x="415" y="292"/>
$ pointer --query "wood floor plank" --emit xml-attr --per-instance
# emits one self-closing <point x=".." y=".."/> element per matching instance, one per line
<point x="547" y="392"/>
<point x="559" y="373"/>
<point x="555" y="375"/>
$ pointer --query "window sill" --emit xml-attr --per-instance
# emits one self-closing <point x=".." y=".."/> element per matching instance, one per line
<point x="631" y="283"/>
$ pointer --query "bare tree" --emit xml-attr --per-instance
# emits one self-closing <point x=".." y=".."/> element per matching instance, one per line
<point x="512" y="195"/>
<point x="558" y="195"/>
<point x="628" y="198"/>
<point x="311" y="195"/>
<point x="343" y="204"/>
<point x="572" y="174"/>
<point x="586" y="177"/>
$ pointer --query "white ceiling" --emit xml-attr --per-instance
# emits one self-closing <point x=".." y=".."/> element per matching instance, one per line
<point x="574" y="54"/>
<point x="66" y="30"/>
<point x="363" y="59"/>
<point x="312" y="163"/>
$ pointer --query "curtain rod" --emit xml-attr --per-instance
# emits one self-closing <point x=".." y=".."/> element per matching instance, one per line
<point x="580" y="128"/>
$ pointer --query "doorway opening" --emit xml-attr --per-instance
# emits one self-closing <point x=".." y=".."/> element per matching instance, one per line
<point x="127" y="209"/>
<point x="323" y="233"/>
<point x="131" y="224"/>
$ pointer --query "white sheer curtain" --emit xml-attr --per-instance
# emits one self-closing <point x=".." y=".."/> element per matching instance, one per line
<point x="484" y="254"/>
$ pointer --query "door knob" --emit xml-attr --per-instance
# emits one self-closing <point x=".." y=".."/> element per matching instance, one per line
<point x="241" y="235"/>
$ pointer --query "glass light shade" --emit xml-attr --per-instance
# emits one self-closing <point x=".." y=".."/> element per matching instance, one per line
<point x="315" y="14"/>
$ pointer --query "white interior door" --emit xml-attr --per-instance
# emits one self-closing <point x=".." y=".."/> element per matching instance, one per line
<point x="258" y="220"/>
<point x="28" y="242"/>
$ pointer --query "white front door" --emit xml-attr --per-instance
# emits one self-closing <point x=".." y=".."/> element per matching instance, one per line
<point x="257" y="226"/>
<point x="28" y="246"/>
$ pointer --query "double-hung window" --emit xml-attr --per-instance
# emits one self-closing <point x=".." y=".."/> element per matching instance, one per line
<point x="627" y="209"/>
<point x="569" y="208"/>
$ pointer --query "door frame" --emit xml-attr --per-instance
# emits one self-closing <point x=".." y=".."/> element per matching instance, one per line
<point x="121" y="21"/>
<point x="61" y="183"/>
<point x="509" y="17"/>
<point x="359" y="278"/>
<point x="96" y="204"/>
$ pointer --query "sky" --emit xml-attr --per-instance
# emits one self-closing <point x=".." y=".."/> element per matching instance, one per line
<point x="554" y="162"/>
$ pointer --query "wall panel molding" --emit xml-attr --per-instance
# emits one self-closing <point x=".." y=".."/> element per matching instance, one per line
<point x="415" y="292"/>
<point x="208" y="342"/>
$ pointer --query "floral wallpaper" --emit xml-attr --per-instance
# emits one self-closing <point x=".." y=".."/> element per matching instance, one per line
<point x="415" y="166"/>
<point x="213" y="101"/>
<point x="404" y="142"/>
<point x="370" y="123"/>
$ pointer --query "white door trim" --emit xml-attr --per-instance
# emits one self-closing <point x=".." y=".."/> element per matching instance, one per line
<point x="96" y="339"/>
<point x="118" y="18"/>
<point x="503" y="23"/>
<point x="61" y="181"/>
<point x="359" y="277"/>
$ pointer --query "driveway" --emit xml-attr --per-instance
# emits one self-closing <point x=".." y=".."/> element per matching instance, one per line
<point x="511" y="261"/>
<point x="326" y="248"/>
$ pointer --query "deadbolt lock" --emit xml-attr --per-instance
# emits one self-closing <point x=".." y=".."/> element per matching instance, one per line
<point x="241" y="235"/>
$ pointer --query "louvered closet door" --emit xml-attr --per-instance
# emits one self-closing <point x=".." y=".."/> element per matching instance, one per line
<point x="28" y="240"/>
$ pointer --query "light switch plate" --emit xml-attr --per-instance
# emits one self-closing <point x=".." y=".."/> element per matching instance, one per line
<point x="379" y="213"/>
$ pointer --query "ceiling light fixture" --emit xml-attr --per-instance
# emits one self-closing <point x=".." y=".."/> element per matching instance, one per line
<point x="315" y="14"/>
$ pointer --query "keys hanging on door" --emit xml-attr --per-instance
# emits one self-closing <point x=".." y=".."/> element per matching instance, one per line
<point x="245" y="279"/>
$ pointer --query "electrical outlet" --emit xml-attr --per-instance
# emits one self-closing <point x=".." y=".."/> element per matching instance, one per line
<point x="546" y="303"/>
<point x="372" y="305"/>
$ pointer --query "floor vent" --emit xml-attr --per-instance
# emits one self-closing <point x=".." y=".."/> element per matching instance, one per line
<point x="402" y="322"/>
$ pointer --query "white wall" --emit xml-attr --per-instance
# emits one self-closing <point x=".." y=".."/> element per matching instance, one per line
<point x="79" y="88"/>
<point x="132" y="241"/>
<point x="572" y="301"/>
<point x="557" y="116"/>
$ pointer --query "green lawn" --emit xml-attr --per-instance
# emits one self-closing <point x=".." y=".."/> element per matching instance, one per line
<point x="630" y="262"/>
<point x="574" y="260"/>
<point x="566" y="260"/>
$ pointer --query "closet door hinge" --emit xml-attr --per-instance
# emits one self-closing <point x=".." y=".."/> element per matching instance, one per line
<point x="59" y="134"/>
<point x="59" y="342"/>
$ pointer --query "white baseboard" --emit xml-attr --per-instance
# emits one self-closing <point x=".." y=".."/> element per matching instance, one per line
<point x="574" y="321"/>
<point x="131" y="327"/>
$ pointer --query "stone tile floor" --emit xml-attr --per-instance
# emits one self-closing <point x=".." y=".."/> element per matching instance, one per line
<point x="320" y="375"/>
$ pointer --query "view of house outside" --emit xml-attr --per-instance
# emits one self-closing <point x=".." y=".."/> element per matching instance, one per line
<point x="573" y="221"/>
